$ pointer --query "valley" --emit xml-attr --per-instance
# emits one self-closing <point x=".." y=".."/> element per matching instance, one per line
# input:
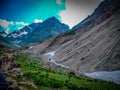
<point x="37" y="77"/>
<point x="51" y="56"/>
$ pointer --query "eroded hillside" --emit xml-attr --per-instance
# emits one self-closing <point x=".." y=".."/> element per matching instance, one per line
<point x="92" y="45"/>
<point x="95" y="49"/>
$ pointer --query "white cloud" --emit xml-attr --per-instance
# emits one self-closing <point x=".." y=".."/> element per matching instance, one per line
<point x="37" y="20"/>
<point x="5" y="23"/>
<point x="21" y="23"/>
<point x="10" y="26"/>
<point x="58" y="2"/>
<point x="75" y="12"/>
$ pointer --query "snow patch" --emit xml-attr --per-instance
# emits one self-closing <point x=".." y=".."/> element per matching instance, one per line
<point x="113" y="76"/>
<point x="30" y="28"/>
<point x="50" y="53"/>
<point x="16" y="41"/>
<point x="18" y="35"/>
<point x="31" y="47"/>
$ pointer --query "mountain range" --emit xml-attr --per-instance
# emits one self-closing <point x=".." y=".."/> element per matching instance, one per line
<point x="37" y="32"/>
<point x="5" y="42"/>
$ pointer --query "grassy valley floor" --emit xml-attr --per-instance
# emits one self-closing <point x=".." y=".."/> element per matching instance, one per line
<point x="40" y="78"/>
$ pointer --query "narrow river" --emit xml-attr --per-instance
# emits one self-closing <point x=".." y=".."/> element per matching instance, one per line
<point x="50" y="56"/>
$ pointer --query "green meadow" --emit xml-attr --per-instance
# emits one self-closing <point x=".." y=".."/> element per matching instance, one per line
<point x="46" y="79"/>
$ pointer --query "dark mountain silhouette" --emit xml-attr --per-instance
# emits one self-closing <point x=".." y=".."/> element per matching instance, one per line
<point x="5" y="42"/>
<point x="37" y="32"/>
<point x="2" y="33"/>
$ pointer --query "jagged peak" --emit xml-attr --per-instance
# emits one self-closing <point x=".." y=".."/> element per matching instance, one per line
<point x="52" y="19"/>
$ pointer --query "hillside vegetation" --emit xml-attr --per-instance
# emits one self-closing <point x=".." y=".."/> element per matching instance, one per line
<point x="46" y="79"/>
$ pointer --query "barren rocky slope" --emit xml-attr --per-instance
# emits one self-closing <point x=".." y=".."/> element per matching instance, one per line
<point x="97" y="49"/>
<point x="92" y="45"/>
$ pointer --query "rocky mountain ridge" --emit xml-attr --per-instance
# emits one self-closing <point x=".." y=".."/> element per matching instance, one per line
<point x="37" y="32"/>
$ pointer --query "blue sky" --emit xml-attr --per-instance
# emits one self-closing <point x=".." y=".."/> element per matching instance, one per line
<point x="14" y="14"/>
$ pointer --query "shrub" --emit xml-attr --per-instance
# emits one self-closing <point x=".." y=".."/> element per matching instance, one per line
<point x="49" y="83"/>
<point x="74" y="87"/>
<point x="56" y="84"/>
<point x="47" y="75"/>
